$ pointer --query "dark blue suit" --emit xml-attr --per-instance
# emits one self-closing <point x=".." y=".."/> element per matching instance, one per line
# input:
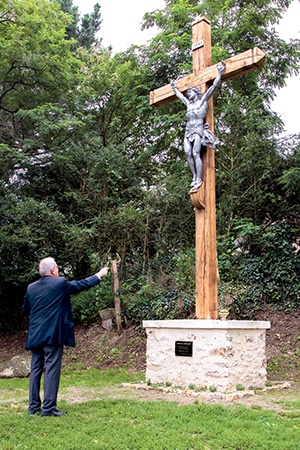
<point x="47" y="302"/>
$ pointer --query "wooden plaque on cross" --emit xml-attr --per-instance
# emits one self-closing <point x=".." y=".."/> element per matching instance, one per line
<point x="204" y="199"/>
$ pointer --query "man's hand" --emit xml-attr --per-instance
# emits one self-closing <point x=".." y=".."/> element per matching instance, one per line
<point x="102" y="272"/>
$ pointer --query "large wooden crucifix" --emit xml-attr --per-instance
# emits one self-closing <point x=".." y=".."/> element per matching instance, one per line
<point x="204" y="199"/>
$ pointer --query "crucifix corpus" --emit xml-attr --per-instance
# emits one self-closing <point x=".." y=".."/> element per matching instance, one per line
<point x="200" y="87"/>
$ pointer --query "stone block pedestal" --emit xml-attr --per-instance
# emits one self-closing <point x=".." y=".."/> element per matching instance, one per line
<point x="207" y="353"/>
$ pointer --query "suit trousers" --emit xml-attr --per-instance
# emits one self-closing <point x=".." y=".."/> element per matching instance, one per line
<point x="49" y="358"/>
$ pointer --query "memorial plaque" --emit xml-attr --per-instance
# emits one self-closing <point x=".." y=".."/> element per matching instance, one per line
<point x="183" y="348"/>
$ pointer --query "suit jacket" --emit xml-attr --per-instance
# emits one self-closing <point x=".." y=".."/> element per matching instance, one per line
<point x="47" y="302"/>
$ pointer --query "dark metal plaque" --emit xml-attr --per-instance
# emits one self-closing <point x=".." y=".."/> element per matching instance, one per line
<point x="183" y="348"/>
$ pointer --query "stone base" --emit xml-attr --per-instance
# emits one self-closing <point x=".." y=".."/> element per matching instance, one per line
<point x="225" y="354"/>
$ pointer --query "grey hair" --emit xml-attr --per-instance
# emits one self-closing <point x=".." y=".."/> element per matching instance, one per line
<point x="46" y="265"/>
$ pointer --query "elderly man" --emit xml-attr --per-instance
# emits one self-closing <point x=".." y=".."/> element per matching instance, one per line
<point x="47" y="302"/>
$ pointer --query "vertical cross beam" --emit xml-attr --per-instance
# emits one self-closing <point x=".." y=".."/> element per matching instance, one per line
<point x="205" y="217"/>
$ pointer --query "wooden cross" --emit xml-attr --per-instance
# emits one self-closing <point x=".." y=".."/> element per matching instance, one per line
<point x="204" y="199"/>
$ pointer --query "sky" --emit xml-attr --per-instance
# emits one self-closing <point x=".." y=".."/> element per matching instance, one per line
<point x="121" y="27"/>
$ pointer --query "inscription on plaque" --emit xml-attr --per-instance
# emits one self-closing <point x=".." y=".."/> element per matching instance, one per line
<point x="183" y="348"/>
<point x="198" y="44"/>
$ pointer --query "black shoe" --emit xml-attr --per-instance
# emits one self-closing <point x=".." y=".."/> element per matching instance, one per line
<point x="32" y="413"/>
<point x="54" y="412"/>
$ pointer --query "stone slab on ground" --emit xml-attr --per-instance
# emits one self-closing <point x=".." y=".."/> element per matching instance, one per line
<point x="16" y="367"/>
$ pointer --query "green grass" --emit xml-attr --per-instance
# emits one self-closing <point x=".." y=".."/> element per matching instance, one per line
<point x="129" y="424"/>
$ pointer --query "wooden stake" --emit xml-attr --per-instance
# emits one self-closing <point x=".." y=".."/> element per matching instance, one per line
<point x="117" y="299"/>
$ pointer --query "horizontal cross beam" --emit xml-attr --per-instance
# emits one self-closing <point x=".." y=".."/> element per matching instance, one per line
<point x="235" y="66"/>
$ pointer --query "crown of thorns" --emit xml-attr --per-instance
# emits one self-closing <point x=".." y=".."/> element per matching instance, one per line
<point x="194" y="89"/>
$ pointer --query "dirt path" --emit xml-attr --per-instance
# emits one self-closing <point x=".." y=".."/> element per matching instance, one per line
<point x="279" y="398"/>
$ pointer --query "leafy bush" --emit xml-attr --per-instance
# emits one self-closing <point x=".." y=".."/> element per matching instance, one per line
<point x="184" y="271"/>
<point x="258" y="266"/>
<point x="266" y="269"/>
<point x="152" y="302"/>
<point x="227" y="258"/>
<point x="86" y="305"/>
<point x="166" y="292"/>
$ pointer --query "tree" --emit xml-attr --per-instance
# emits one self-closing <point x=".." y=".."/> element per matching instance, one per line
<point x="84" y="29"/>
<point x="36" y="60"/>
<point x="37" y="67"/>
<point x="72" y="29"/>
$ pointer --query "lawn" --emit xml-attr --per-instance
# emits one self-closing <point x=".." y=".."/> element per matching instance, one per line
<point x="103" y="416"/>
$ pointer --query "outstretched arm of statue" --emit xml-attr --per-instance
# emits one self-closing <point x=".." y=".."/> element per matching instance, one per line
<point x="178" y="93"/>
<point x="217" y="80"/>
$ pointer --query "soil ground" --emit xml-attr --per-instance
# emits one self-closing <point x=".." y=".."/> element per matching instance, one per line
<point x="102" y="349"/>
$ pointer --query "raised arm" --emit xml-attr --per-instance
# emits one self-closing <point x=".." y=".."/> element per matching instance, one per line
<point x="179" y="94"/>
<point x="216" y="82"/>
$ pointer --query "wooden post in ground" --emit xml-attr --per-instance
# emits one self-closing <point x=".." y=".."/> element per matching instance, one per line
<point x="117" y="299"/>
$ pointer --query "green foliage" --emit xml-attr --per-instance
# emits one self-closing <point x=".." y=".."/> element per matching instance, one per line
<point x="90" y="25"/>
<point x="83" y="29"/>
<point x="266" y="269"/>
<point x="34" y="54"/>
<point x="184" y="273"/>
<point x="161" y="295"/>
<point x="146" y="303"/>
<point x="226" y="258"/>
<point x="290" y="176"/>
<point x="86" y="305"/>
